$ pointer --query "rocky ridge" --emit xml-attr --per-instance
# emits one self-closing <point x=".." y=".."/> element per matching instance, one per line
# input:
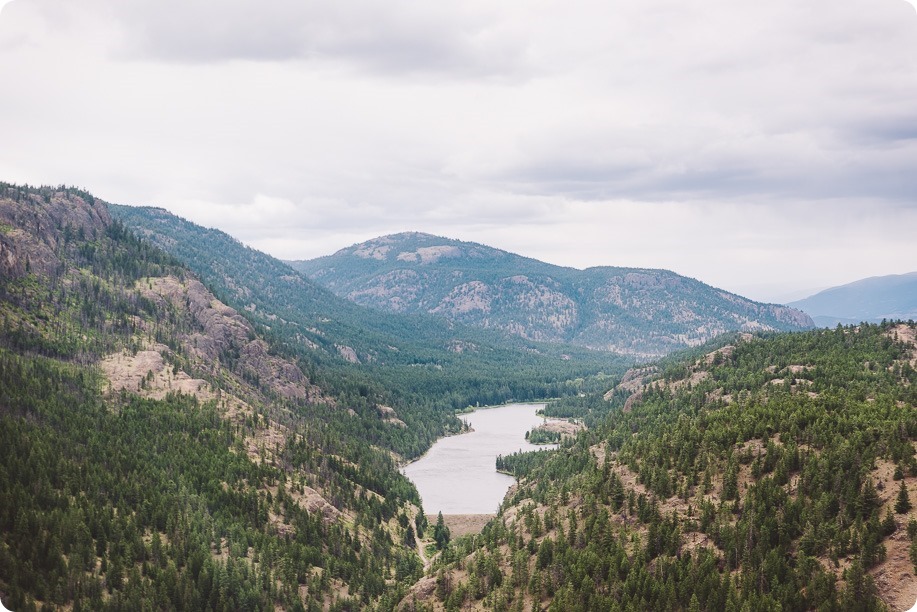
<point x="640" y="312"/>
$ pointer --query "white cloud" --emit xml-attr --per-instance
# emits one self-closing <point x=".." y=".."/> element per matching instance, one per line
<point x="540" y="126"/>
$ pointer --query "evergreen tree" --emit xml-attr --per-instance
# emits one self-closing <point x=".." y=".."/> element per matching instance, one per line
<point x="441" y="533"/>
<point x="903" y="503"/>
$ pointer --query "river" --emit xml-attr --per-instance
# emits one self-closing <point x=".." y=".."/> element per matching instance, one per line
<point x="458" y="475"/>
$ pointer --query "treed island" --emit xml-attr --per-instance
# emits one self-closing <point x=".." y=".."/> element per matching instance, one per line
<point x="189" y="424"/>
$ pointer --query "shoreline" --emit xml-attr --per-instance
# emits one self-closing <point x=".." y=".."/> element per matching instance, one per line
<point x="463" y="524"/>
<point x="473" y="409"/>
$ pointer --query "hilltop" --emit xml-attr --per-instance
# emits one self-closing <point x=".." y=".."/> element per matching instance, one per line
<point x="632" y="311"/>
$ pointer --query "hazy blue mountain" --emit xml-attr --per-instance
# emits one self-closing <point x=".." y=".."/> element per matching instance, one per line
<point x="870" y="299"/>
<point x="641" y="312"/>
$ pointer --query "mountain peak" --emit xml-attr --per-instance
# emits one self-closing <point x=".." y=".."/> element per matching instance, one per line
<point x="416" y="248"/>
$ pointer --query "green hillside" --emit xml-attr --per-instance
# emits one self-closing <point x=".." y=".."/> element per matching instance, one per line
<point x="776" y="473"/>
<point x="156" y="452"/>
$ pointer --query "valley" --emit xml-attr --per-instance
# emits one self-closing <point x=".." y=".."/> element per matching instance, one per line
<point x="189" y="423"/>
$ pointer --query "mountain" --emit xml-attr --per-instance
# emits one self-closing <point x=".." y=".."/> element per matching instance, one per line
<point x="157" y="451"/>
<point x="890" y="297"/>
<point x="630" y="311"/>
<point x="767" y="474"/>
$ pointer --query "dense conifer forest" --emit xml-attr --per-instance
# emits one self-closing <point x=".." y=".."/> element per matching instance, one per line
<point x="776" y="473"/>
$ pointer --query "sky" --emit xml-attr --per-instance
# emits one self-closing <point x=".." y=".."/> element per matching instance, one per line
<point x="768" y="148"/>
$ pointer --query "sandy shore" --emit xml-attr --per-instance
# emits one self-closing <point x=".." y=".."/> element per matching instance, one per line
<point x="462" y="524"/>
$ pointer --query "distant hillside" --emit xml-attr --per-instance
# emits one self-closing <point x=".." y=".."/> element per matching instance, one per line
<point x="412" y="360"/>
<point x="633" y="311"/>
<point x="871" y="299"/>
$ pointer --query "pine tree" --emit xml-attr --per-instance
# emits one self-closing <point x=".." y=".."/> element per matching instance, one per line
<point x="903" y="504"/>
<point x="440" y="532"/>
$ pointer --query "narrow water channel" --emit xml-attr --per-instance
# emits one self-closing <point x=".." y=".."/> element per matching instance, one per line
<point x="458" y="476"/>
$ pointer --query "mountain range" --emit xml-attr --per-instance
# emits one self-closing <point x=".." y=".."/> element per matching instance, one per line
<point x="872" y="299"/>
<point x="187" y="423"/>
<point x="407" y="355"/>
<point x="154" y="439"/>
<point x="632" y="311"/>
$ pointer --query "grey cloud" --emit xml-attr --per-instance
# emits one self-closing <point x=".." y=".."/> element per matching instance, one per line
<point x="402" y="36"/>
<point x="746" y="176"/>
<point x="353" y="118"/>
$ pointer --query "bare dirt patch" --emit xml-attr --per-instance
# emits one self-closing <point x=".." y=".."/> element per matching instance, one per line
<point x="908" y="335"/>
<point x="388" y="415"/>
<point x="146" y="373"/>
<point x="894" y="577"/>
<point x="563" y="427"/>
<point x="314" y="502"/>
<point x="722" y="353"/>
<point x="463" y="524"/>
<point x="634" y="380"/>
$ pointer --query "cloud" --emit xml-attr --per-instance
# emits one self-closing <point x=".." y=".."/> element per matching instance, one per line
<point x="405" y="36"/>
<point x="298" y="125"/>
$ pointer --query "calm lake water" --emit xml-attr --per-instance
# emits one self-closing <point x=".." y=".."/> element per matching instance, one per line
<point x="457" y="475"/>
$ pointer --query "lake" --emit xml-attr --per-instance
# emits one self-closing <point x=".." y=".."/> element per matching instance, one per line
<point x="458" y="473"/>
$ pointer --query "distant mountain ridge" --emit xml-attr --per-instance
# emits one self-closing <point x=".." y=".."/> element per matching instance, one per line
<point x="871" y="299"/>
<point x="640" y="312"/>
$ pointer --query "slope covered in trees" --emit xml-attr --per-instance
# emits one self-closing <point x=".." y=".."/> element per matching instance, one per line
<point x="408" y="360"/>
<point x="640" y="312"/>
<point x="765" y="475"/>
<point x="158" y="453"/>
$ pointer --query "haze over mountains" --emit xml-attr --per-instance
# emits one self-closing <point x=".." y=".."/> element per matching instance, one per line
<point x="641" y="312"/>
<point x="870" y="299"/>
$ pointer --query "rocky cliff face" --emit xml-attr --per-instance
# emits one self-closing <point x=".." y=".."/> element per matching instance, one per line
<point x="33" y="226"/>
<point x="225" y="338"/>
<point x="634" y="311"/>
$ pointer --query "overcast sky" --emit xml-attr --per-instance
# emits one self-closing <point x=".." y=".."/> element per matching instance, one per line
<point x="769" y="148"/>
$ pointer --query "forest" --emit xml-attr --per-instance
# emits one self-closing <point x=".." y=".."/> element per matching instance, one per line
<point x="777" y="473"/>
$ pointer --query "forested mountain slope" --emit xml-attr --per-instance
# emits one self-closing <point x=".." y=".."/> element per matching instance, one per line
<point x="773" y="473"/>
<point x="871" y="299"/>
<point x="157" y="452"/>
<point x="633" y="311"/>
<point x="408" y="360"/>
